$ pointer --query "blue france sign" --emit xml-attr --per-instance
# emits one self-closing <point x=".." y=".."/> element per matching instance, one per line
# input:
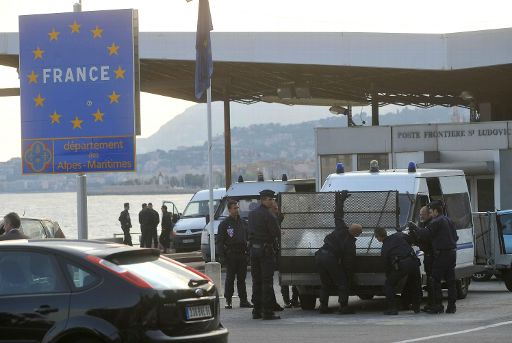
<point x="78" y="91"/>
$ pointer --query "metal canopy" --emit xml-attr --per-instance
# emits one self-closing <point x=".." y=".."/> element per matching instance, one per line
<point x="253" y="82"/>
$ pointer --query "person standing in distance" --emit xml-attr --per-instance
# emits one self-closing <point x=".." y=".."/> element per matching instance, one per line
<point x="335" y="261"/>
<point x="154" y="220"/>
<point x="165" y="234"/>
<point x="12" y="223"/>
<point x="443" y="234"/>
<point x="263" y="232"/>
<point x="126" y="224"/>
<point x="400" y="261"/>
<point x="233" y="252"/>
<point x="144" y="225"/>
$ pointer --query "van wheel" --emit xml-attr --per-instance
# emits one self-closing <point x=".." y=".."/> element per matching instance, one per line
<point x="507" y="277"/>
<point x="462" y="287"/>
<point x="307" y="301"/>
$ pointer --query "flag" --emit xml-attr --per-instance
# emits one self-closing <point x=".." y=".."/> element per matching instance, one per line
<point x="204" y="63"/>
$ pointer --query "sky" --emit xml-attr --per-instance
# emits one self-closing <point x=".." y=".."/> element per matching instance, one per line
<point x="401" y="16"/>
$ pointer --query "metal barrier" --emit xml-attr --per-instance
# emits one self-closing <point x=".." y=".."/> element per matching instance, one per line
<point x="309" y="217"/>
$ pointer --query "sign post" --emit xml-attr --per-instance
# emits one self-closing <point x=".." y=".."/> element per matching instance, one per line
<point x="79" y="92"/>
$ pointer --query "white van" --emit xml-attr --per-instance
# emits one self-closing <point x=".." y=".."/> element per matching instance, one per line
<point x="192" y="221"/>
<point x="248" y="195"/>
<point x="409" y="190"/>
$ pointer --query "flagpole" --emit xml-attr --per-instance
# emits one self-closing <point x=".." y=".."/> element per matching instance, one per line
<point x="210" y="172"/>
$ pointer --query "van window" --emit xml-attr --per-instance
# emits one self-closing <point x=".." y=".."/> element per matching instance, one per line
<point x="421" y="200"/>
<point x="198" y="208"/>
<point x="505" y="227"/>
<point x="246" y="205"/>
<point x="458" y="209"/>
<point x="405" y="201"/>
<point x="434" y="188"/>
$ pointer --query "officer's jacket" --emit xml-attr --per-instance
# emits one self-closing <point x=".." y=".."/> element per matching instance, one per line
<point x="263" y="227"/>
<point x="395" y="246"/>
<point x="425" y="243"/>
<point x="167" y="221"/>
<point x="441" y="232"/>
<point x="233" y="236"/>
<point x="125" y="220"/>
<point x="343" y="245"/>
<point x="154" y="217"/>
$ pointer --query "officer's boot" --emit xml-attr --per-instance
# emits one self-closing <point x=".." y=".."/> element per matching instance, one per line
<point x="228" y="304"/>
<point x="245" y="304"/>
<point x="391" y="310"/>
<point x="324" y="308"/>
<point x="451" y="308"/>
<point x="270" y="316"/>
<point x="436" y="308"/>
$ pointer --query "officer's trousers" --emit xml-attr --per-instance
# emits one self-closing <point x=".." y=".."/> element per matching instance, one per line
<point x="236" y="267"/>
<point x="262" y="271"/>
<point x="409" y="268"/>
<point x="127" y="237"/>
<point x="443" y="267"/>
<point x="427" y="265"/>
<point x="332" y="276"/>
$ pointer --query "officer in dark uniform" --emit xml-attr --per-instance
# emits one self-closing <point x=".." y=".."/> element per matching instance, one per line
<point x="425" y="245"/>
<point x="400" y="261"/>
<point x="233" y="254"/>
<point x="443" y="234"/>
<point x="335" y="261"/>
<point x="126" y="224"/>
<point x="263" y="232"/>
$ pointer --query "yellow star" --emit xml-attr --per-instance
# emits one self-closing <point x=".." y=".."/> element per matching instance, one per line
<point x="75" y="27"/>
<point x="77" y="123"/>
<point x="54" y="35"/>
<point x="114" y="97"/>
<point x="98" y="116"/>
<point x="39" y="101"/>
<point x="112" y="49"/>
<point x="55" y="117"/>
<point x="38" y="53"/>
<point x="96" y="33"/>
<point x="32" y="77"/>
<point x="119" y="72"/>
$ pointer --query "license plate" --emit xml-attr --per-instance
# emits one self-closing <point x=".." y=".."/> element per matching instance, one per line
<point x="196" y="312"/>
<point x="188" y="240"/>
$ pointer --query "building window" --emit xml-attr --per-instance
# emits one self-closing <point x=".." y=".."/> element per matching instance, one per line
<point x="328" y="164"/>
<point x="363" y="161"/>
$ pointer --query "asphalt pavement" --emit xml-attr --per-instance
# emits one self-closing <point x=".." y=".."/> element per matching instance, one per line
<point x="484" y="316"/>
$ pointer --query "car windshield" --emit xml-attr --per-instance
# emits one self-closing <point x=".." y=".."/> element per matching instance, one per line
<point x="198" y="208"/>
<point x="247" y="204"/>
<point x="160" y="273"/>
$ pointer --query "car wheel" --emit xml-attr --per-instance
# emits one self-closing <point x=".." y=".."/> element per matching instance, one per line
<point x="307" y="301"/>
<point x="462" y="287"/>
<point x="507" y="277"/>
<point x="483" y="276"/>
<point x="366" y="296"/>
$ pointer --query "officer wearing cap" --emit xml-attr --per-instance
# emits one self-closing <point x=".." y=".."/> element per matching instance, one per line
<point x="126" y="224"/>
<point x="263" y="231"/>
<point x="443" y="235"/>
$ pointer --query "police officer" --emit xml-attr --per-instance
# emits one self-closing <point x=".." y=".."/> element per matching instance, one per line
<point x="443" y="234"/>
<point x="335" y="261"/>
<point x="425" y="245"/>
<point x="126" y="224"/>
<point x="233" y="252"/>
<point x="400" y="261"/>
<point x="263" y="232"/>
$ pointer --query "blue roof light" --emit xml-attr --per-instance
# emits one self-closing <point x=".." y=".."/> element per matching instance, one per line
<point x="240" y="178"/>
<point x="411" y="168"/>
<point x="340" y="168"/>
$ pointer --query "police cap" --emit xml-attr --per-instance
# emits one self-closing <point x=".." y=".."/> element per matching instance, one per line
<point x="267" y="193"/>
